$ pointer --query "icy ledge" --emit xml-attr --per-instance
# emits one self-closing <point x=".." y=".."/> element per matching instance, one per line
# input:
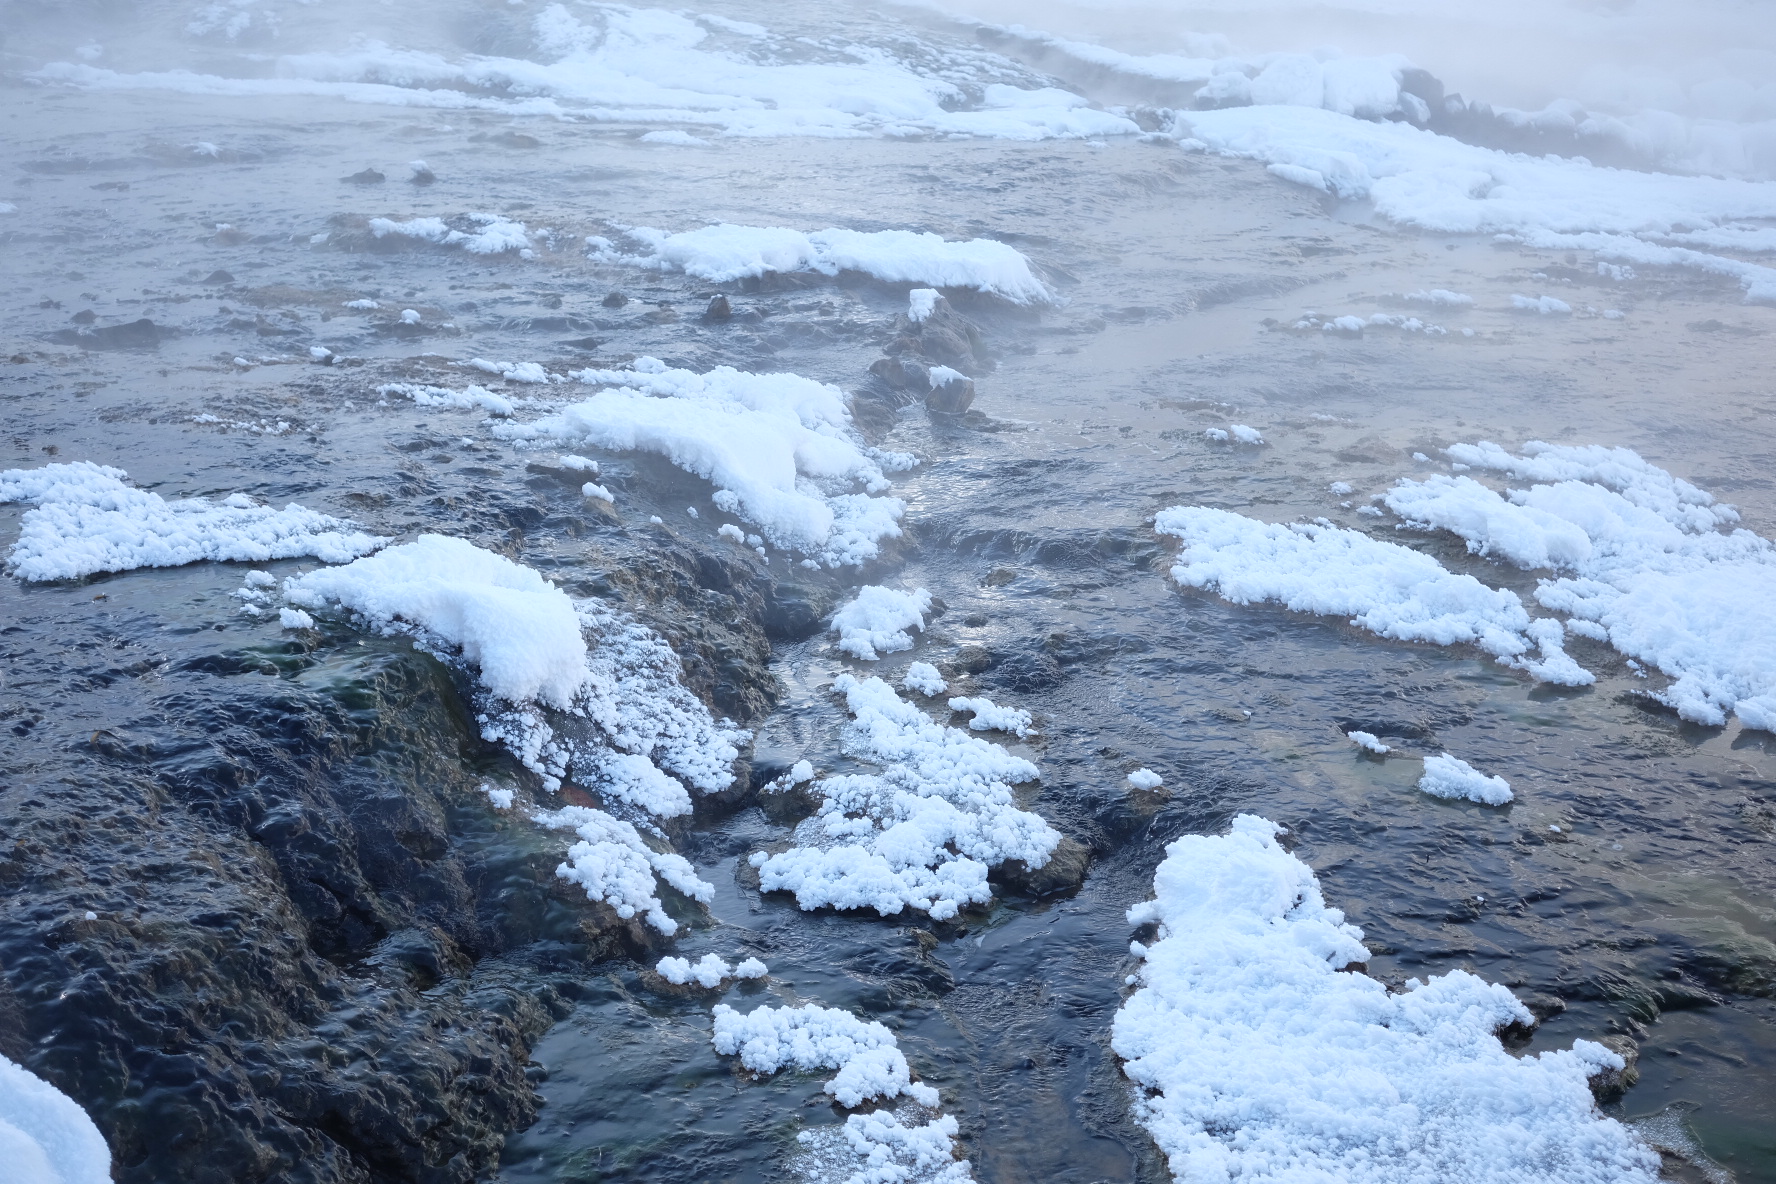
<point x="613" y="714"/>
<point x="1385" y="588"/>
<point x="86" y="519"/>
<point x="920" y="834"/>
<point x="1261" y="1060"/>
<point x="779" y="447"/>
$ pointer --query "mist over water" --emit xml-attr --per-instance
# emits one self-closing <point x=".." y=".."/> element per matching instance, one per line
<point x="1128" y="333"/>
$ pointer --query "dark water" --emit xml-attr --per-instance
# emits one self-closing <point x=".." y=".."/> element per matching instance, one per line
<point x="1650" y="913"/>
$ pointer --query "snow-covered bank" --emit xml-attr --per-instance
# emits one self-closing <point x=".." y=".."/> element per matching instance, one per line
<point x="722" y="253"/>
<point x="779" y="448"/>
<point x="85" y="519"/>
<point x="1385" y="588"/>
<point x="1645" y="559"/>
<point x="45" y="1137"/>
<point x="920" y="834"/>
<point x="1263" y="1060"/>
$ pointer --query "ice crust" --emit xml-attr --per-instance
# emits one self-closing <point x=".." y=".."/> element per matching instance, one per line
<point x="779" y="448"/>
<point x="1446" y="776"/>
<point x="865" y="1053"/>
<point x="1383" y="587"/>
<point x="920" y="834"/>
<point x="879" y="620"/>
<point x="1262" y="1060"/>
<point x="85" y="519"/>
<point x="722" y="253"/>
<point x="45" y="1137"/>
<point x="1643" y="561"/>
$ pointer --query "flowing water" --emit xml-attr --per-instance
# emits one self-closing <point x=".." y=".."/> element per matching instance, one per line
<point x="1648" y="912"/>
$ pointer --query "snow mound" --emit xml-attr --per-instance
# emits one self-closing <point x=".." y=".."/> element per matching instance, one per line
<point x="779" y="448"/>
<point x="1145" y="779"/>
<point x="921" y="303"/>
<point x="471" y="398"/>
<point x="990" y="717"/>
<point x="612" y="863"/>
<point x="723" y="253"/>
<point x="878" y="619"/>
<point x="709" y="972"/>
<point x="920" y="834"/>
<point x="45" y="1137"/>
<point x="1383" y="587"/>
<point x="866" y="1055"/>
<point x="1369" y="741"/>
<point x="1447" y="777"/>
<point x="487" y="234"/>
<point x="85" y="519"/>
<point x="1645" y="564"/>
<point x="1263" y="1061"/>
<point x="882" y="1147"/>
<point x="925" y="679"/>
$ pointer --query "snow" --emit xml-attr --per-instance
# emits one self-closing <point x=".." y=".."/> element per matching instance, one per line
<point x="487" y="234"/>
<point x="780" y="449"/>
<point x="882" y="1147"/>
<point x="1644" y="562"/>
<point x="877" y="621"/>
<point x="1261" y="1060"/>
<point x="1446" y="776"/>
<point x="1339" y="488"/>
<point x="597" y="492"/>
<point x="499" y="796"/>
<point x="612" y="863"/>
<point x="925" y="679"/>
<point x="1244" y="434"/>
<point x="723" y="253"/>
<point x="472" y="398"/>
<point x="990" y="717"/>
<point x="1542" y="304"/>
<point x="709" y="971"/>
<point x="1145" y="779"/>
<point x="45" y="1137"/>
<point x="1369" y="741"/>
<point x="921" y="303"/>
<point x="85" y="519"/>
<point x="1383" y="587"/>
<point x="674" y="136"/>
<point x="362" y="305"/>
<point x="866" y="1055"/>
<point x="410" y="316"/>
<point x="1441" y="296"/>
<point x="920" y="834"/>
<point x="295" y="618"/>
<point x="579" y="464"/>
<point x="525" y="372"/>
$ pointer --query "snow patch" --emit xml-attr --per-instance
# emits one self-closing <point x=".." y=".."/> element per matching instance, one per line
<point x="45" y="1136"/>
<point x="878" y="621"/>
<point x="1446" y="776"/>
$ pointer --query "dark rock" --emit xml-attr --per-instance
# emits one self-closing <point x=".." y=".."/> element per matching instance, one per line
<point x="85" y="316"/>
<point x="953" y="396"/>
<point x="422" y="174"/>
<point x="1611" y="1084"/>
<point x="719" y="309"/>
<point x="368" y="176"/>
<point x="615" y="300"/>
<point x="902" y="373"/>
<point x="139" y="334"/>
<point x="218" y="277"/>
<point x="1064" y="871"/>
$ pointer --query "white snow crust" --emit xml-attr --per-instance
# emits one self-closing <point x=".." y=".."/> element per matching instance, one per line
<point x="991" y="717"/>
<point x="709" y="972"/>
<point x="614" y="865"/>
<point x="920" y="834"/>
<point x="1370" y="741"/>
<point x="45" y="1137"/>
<point x="1644" y="561"/>
<point x="471" y="398"/>
<point x="882" y="1147"/>
<point x="866" y="1055"/>
<point x="1446" y="776"/>
<point x="878" y="619"/>
<point x="779" y="448"/>
<point x="489" y="234"/>
<point x="1145" y="779"/>
<point x="1383" y="587"/>
<point x="1263" y="1061"/>
<point x="925" y="679"/>
<point x="85" y="519"/>
<point x="722" y="253"/>
<point x="921" y="303"/>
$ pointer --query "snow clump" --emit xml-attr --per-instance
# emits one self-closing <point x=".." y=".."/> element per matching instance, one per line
<point x="709" y="972"/>
<point x="866" y="1054"/>
<point x="925" y="679"/>
<point x="882" y="1147"/>
<point x="1369" y="741"/>
<point x="614" y="865"/>
<point x="85" y="519"/>
<point x="1542" y="304"/>
<point x="780" y="449"/>
<point x="1262" y="1060"/>
<point x="877" y="621"/>
<point x="1447" y="777"/>
<point x="45" y="1135"/>
<point x="920" y="834"/>
<point x="487" y="234"/>
<point x="921" y="303"/>
<point x="471" y="398"/>
<point x="1383" y="587"/>
<point x="990" y="717"/>
<point x="1145" y="779"/>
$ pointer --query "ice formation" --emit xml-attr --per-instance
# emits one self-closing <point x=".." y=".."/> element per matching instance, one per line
<point x="882" y="1147"/>
<point x="878" y="620"/>
<point x="709" y="972"/>
<point x="722" y="253"/>
<point x="991" y="717"/>
<point x="1262" y="1060"/>
<point x="614" y="865"/>
<point x="86" y="519"/>
<point x="1383" y="587"/>
<point x="779" y="448"/>
<point x="925" y="679"/>
<point x="1643" y="561"/>
<point x="486" y="234"/>
<point x="1369" y="741"/>
<point x="921" y="303"/>
<point x="614" y="715"/>
<point x="865" y="1053"/>
<point x="1540" y="304"/>
<point x="1446" y="776"/>
<point x="1145" y="779"/>
<point x="45" y="1137"/>
<point x="920" y="834"/>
